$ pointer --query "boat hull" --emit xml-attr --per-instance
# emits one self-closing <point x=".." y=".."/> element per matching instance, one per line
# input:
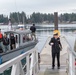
<point x="16" y="52"/>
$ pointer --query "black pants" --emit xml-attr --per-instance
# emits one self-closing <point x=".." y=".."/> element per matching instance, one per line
<point x="58" y="59"/>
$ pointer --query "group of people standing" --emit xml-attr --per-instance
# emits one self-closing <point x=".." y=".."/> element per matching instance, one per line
<point x="4" y="42"/>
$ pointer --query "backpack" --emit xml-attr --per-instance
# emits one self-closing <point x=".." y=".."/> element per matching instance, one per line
<point x="0" y="36"/>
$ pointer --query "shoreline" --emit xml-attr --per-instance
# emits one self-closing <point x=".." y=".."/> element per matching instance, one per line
<point x="44" y="24"/>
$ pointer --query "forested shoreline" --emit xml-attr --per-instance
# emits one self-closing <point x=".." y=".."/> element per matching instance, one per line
<point x="17" y="17"/>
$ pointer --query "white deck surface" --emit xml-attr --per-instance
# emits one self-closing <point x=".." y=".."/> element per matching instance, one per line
<point x="46" y="59"/>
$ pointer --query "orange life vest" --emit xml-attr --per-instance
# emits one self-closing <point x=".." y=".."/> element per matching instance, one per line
<point x="0" y="35"/>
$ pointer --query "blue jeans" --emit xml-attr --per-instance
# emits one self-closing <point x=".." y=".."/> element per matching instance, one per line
<point x="6" y="47"/>
<point x="2" y="46"/>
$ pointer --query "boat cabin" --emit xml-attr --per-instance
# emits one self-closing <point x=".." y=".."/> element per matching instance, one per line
<point x="21" y="37"/>
<point x="23" y="43"/>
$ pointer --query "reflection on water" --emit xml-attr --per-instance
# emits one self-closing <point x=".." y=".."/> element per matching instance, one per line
<point x="50" y="32"/>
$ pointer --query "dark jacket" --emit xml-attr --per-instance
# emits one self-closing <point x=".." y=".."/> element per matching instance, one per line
<point x="12" y="40"/>
<point x="5" y="41"/>
<point x="33" y="28"/>
<point x="56" y="46"/>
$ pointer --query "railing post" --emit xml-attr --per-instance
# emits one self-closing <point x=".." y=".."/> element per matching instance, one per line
<point x="28" y="65"/>
<point x="71" y="64"/>
<point x="21" y="69"/>
<point x="37" y="65"/>
<point x="34" y="61"/>
<point x="31" y="63"/>
<point x="15" y="69"/>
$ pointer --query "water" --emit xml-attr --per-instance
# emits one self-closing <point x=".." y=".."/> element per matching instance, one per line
<point x="42" y="32"/>
<point x="48" y="29"/>
<point x="45" y="30"/>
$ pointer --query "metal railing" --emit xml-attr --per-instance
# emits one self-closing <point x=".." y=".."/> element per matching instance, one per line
<point x="71" y="54"/>
<point x="30" y="67"/>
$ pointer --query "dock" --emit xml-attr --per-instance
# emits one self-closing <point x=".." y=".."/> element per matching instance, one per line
<point x="33" y="67"/>
<point x="46" y="60"/>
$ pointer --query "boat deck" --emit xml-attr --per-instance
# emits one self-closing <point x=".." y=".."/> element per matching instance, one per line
<point x="46" y="59"/>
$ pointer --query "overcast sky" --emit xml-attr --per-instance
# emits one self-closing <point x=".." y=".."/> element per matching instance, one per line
<point x="43" y="6"/>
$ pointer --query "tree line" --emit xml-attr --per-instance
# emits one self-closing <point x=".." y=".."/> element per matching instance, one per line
<point x="17" y="17"/>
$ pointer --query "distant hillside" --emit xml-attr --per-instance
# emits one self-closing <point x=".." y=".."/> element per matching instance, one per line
<point x="17" y="17"/>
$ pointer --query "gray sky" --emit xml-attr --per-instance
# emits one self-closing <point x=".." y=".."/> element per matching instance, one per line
<point x="43" y="6"/>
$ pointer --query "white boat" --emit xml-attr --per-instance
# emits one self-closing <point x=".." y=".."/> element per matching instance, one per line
<point x="22" y="45"/>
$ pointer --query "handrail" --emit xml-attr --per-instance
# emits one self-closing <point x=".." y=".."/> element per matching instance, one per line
<point x="71" y="55"/>
<point x="70" y="48"/>
<point x="15" y="61"/>
<point x="4" y="66"/>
